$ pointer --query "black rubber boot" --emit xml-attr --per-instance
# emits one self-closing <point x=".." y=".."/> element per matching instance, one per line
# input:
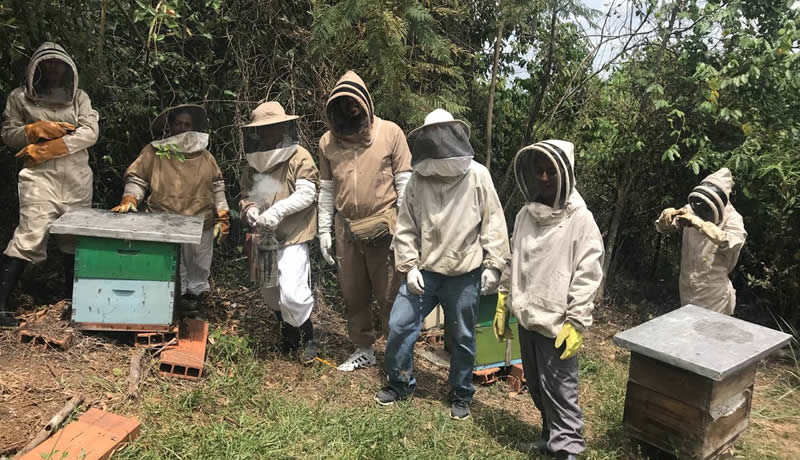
<point x="69" y="275"/>
<point x="10" y="271"/>
<point x="290" y="335"/>
<point x="309" y="344"/>
<point x="290" y="340"/>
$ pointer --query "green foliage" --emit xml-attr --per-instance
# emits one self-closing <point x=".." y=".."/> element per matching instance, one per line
<point x="401" y="39"/>
<point x="710" y="84"/>
<point x="170" y="152"/>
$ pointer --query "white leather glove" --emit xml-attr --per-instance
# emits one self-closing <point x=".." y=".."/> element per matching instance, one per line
<point x="251" y="216"/>
<point x="490" y="279"/>
<point x="325" y="244"/>
<point x="270" y="219"/>
<point x="415" y="283"/>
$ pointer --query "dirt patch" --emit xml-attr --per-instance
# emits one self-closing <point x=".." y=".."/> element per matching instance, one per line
<point x="36" y="381"/>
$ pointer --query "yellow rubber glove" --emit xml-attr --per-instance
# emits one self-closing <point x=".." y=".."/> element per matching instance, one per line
<point x="129" y="203"/>
<point x="222" y="226"/>
<point x="500" y="325"/>
<point x="572" y="337"/>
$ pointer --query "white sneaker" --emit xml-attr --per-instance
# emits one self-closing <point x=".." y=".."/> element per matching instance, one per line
<point x="363" y="357"/>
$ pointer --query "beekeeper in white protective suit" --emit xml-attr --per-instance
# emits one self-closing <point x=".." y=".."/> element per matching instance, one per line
<point x="178" y="175"/>
<point x="713" y="236"/>
<point x="451" y="242"/>
<point x="51" y="122"/>
<point x="279" y="190"/>
<point x="555" y="271"/>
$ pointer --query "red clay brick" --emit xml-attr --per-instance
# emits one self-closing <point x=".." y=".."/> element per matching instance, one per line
<point x="94" y="436"/>
<point x="516" y="377"/>
<point x="487" y="376"/>
<point x="186" y="359"/>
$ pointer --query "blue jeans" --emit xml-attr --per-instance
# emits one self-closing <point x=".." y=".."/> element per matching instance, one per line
<point x="459" y="297"/>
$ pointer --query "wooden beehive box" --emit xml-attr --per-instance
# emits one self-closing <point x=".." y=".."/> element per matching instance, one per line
<point x="690" y="386"/>
<point x="126" y="267"/>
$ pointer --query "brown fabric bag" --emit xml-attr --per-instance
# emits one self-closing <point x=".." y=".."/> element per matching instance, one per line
<point x="373" y="228"/>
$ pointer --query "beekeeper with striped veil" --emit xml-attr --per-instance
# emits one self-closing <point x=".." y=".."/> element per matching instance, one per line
<point x="713" y="236"/>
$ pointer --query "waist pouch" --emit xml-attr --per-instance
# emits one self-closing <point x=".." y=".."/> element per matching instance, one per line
<point x="373" y="228"/>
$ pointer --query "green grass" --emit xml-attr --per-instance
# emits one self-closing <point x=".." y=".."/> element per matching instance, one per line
<point x="232" y="416"/>
<point x="317" y="412"/>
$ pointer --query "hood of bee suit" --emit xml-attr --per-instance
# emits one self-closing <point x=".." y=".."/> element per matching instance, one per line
<point x="342" y="126"/>
<point x="561" y="155"/>
<point x="67" y="89"/>
<point x="714" y="191"/>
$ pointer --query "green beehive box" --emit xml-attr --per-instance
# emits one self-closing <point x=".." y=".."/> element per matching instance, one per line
<point x="109" y="258"/>
<point x="489" y="352"/>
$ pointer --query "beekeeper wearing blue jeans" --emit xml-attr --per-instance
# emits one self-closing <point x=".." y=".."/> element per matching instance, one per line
<point x="451" y="242"/>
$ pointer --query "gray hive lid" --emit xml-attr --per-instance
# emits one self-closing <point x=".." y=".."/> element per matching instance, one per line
<point x="703" y="342"/>
<point x="141" y="226"/>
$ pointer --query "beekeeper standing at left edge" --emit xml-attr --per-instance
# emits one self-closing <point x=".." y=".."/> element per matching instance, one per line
<point x="52" y="124"/>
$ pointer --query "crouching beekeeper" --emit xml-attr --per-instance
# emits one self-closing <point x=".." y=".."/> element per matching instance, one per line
<point x="279" y="190"/>
<point x="178" y="175"/>
<point x="555" y="271"/>
<point x="451" y="242"/>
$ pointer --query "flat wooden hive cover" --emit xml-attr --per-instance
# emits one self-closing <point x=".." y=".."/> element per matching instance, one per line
<point x="139" y="226"/>
<point x="701" y="341"/>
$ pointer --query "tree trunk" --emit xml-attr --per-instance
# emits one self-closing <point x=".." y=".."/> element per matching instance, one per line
<point x="656" y="257"/>
<point x="498" y="43"/>
<point x="546" y="76"/>
<point x="613" y="230"/>
<point x="627" y="176"/>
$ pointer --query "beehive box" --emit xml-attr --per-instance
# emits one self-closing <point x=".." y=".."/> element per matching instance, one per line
<point x="690" y="387"/>
<point x="489" y="352"/>
<point x="126" y="267"/>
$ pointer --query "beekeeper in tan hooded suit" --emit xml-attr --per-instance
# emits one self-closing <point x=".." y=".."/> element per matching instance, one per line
<point x="52" y="121"/>
<point x="452" y="243"/>
<point x="278" y="189"/>
<point x="180" y="176"/>
<point x="713" y="236"/>
<point x="364" y="166"/>
<point x="549" y="286"/>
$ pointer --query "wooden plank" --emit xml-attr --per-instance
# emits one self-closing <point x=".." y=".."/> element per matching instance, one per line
<point x="675" y="426"/>
<point x="671" y="381"/>
<point x="733" y="385"/>
<point x="122" y="327"/>
<point x="663" y="422"/>
<point x="94" y="436"/>
<point x="693" y="389"/>
<point x="730" y="420"/>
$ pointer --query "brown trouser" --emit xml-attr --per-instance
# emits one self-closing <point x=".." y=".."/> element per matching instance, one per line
<point x="365" y="270"/>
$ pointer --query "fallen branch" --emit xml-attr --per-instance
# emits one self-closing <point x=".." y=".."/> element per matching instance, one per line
<point x="52" y="425"/>
<point x="135" y="374"/>
<point x="155" y="351"/>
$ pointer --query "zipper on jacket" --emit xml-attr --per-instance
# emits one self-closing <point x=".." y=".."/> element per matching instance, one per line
<point x="355" y="182"/>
